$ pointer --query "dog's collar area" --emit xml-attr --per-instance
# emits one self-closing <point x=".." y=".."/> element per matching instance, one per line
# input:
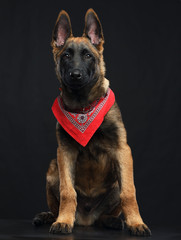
<point x="83" y="110"/>
<point x="81" y="126"/>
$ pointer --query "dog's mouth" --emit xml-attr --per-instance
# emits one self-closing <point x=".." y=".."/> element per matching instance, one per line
<point x="75" y="85"/>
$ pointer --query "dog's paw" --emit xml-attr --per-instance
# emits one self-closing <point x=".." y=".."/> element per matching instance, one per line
<point x="43" y="218"/>
<point x="58" y="227"/>
<point x="139" y="230"/>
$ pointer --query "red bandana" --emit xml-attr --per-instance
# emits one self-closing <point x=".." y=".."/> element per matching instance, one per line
<point x="82" y="126"/>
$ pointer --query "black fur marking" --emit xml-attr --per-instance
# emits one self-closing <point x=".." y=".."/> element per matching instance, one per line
<point x="80" y="58"/>
<point x="112" y="222"/>
<point x="43" y="218"/>
<point x="109" y="131"/>
<point x="103" y="203"/>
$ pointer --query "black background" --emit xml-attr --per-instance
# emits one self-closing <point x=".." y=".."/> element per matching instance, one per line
<point x="143" y="60"/>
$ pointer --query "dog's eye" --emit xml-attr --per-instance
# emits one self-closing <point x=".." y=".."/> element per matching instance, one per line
<point x="87" y="55"/>
<point x="67" y="56"/>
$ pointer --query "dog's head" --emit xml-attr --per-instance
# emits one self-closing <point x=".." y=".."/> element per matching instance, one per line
<point x="79" y="60"/>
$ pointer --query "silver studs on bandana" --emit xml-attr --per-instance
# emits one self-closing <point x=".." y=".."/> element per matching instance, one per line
<point x="82" y="118"/>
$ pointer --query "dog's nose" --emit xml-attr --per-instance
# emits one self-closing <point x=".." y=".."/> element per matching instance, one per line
<point x="76" y="74"/>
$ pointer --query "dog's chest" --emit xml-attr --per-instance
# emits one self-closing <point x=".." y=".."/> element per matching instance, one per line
<point x="95" y="172"/>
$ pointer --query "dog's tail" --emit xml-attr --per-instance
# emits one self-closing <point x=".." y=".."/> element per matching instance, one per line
<point x="43" y="218"/>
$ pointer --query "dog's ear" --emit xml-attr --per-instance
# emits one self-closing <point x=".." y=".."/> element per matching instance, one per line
<point x="93" y="28"/>
<point x="62" y="30"/>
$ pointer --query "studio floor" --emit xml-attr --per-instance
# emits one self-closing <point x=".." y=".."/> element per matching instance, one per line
<point x="23" y="229"/>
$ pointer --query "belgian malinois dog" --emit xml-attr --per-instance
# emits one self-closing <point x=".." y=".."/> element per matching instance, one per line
<point x="90" y="182"/>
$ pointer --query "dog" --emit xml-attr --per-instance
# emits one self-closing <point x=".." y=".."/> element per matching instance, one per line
<point x="91" y="180"/>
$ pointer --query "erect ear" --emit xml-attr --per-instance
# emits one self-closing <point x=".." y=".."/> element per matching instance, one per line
<point x="62" y="29"/>
<point x="93" y="28"/>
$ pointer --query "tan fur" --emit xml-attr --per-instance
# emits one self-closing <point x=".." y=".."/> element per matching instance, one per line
<point x="66" y="165"/>
<point x="85" y="221"/>
<point x="92" y="174"/>
<point x="89" y="177"/>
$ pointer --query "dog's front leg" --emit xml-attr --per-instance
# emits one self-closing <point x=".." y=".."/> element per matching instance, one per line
<point x="66" y="160"/>
<point x="128" y="204"/>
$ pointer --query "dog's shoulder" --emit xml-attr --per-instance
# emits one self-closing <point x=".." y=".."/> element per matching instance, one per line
<point x="109" y="131"/>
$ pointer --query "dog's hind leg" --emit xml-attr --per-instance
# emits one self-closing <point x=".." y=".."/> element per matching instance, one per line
<point x="52" y="185"/>
<point x="43" y="218"/>
<point x="108" y="219"/>
<point x="48" y="217"/>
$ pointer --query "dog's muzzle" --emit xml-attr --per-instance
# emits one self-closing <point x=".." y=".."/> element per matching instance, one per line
<point x="76" y="74"/>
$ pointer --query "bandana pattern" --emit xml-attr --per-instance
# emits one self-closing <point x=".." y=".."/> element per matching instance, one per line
<point x="82" y="126"/>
